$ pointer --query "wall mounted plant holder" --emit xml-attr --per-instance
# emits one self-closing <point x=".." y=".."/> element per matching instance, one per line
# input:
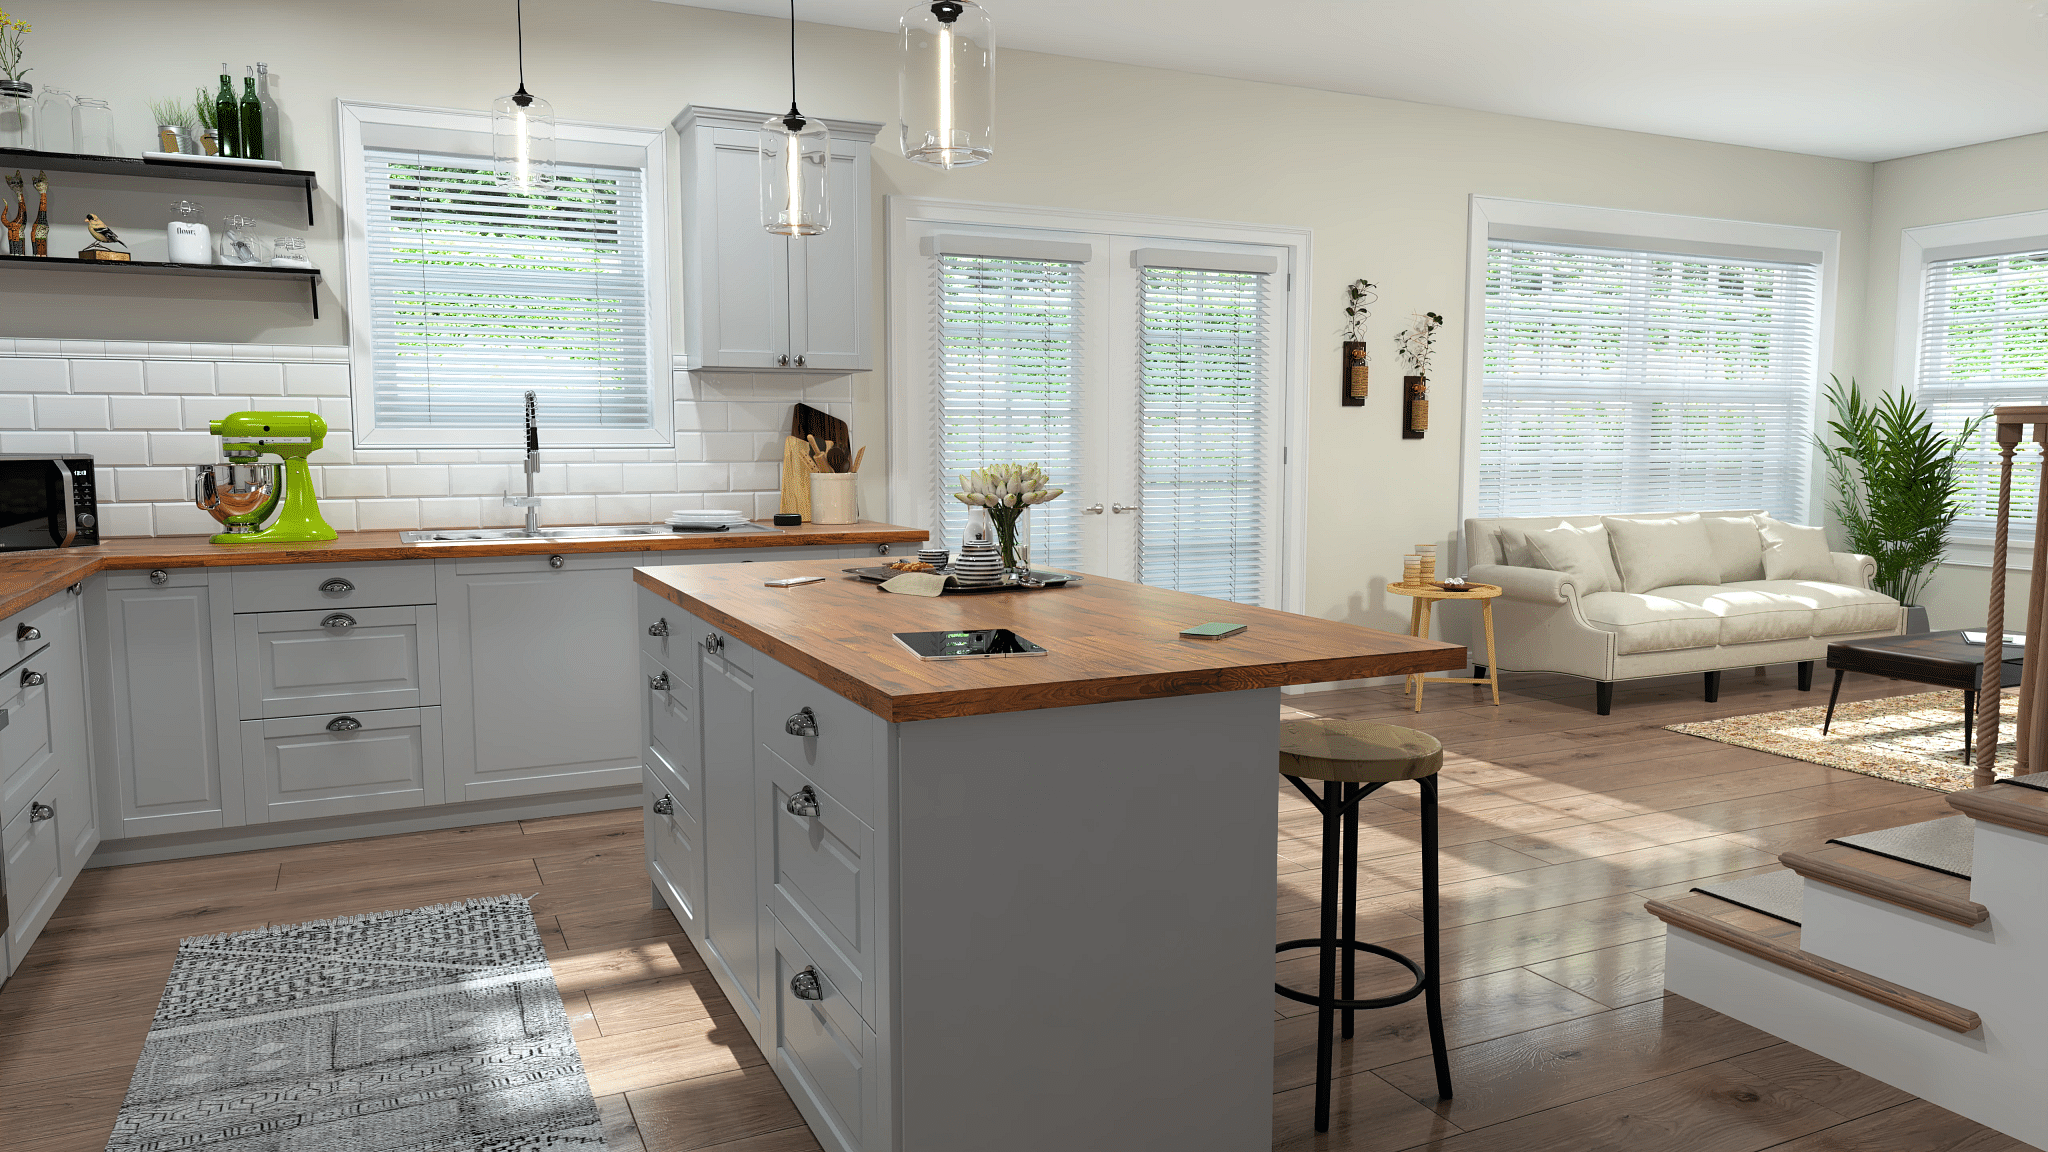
<point x="1414" y="407"/>
<point x="1356" y="367"/>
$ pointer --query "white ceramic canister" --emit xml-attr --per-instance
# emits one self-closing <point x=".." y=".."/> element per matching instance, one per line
<point x="832" y="497"/>
<point x="187" y="237"/>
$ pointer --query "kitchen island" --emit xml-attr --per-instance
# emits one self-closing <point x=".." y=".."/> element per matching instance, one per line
<point x="996" y="904"/>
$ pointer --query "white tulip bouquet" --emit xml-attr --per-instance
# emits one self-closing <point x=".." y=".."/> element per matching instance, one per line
<point x="1004" y="491"/>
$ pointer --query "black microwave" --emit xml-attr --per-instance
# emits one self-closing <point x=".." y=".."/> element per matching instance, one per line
<point x="47" y="502"/>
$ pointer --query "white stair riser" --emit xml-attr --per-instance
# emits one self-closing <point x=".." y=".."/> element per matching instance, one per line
<point x="2009" y="879"/>
<point x="1899" y="944"/>
<point x="1992" y="1076"/>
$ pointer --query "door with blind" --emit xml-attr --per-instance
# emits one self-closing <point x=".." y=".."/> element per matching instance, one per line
<point x="1144" y="379"/>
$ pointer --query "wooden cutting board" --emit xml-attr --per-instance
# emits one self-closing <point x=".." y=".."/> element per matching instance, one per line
<point x="829" y="429"/>
<point x="796" y="477"/>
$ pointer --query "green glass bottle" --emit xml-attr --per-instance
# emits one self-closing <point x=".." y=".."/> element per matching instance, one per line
<point x="252" y="118"/>
<point x="227" y="113"/>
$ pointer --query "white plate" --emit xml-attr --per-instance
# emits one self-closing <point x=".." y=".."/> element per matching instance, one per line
<point x="227" y="161"/>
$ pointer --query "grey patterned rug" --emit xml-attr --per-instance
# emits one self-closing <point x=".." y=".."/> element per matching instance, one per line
<point x="421" y="1030"/>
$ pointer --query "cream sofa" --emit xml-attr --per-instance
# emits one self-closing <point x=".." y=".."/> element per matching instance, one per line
<point x="1548" y="620"/>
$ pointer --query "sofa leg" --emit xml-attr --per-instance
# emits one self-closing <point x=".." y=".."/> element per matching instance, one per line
<point x="1713" y="687"/>
<point x="1806" y="675"/>
<point x="1603" y="697"/>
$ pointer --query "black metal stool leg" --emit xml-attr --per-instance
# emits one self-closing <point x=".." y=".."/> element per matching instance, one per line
<point x="1834" y="694"/>
<point x="1969" y="727"/>
<point x="1432" y="962"/>
<point x="1326" y="980"/>
<point x="1351" y="802"/>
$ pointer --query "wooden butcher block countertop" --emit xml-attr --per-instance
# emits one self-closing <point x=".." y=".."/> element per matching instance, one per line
<point x="28" y="577"/>
<point x="1108" y="640"/>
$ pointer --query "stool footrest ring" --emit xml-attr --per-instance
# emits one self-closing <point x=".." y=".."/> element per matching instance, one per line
<point x="1357" y="946"/>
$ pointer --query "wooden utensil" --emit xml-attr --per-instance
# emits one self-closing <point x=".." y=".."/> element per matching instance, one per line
<point x="857" y="455"/>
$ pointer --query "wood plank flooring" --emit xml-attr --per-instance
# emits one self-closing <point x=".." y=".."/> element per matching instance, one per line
<point x="1557" y="823"/>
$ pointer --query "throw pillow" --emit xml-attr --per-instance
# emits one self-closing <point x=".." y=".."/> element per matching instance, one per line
<point x="1658" y="553"/>
<point x="1578" y="552"/>
<point x="1795" y="551"/>
<point x="1513" y="546"/>
<point x="1738" y="545"/>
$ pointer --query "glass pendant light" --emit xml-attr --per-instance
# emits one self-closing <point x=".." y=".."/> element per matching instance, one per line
<point x="946" y="92"/>
<point x="796" y="153"/>
<point x="523" y="130"/>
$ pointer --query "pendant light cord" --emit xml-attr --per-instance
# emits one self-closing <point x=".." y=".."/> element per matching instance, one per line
<point x="792" y="57"/>
<point x="519" y="23"/>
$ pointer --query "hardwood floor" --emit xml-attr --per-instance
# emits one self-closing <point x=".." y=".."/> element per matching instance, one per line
<point x="1557" y="824"/>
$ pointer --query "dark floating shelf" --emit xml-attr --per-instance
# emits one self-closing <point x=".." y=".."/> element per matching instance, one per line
<point x="164" y="170"/>
<point x="159" y="268"/>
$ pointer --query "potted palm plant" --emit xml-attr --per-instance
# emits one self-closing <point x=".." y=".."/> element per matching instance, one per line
<point x="1896" y="482"/>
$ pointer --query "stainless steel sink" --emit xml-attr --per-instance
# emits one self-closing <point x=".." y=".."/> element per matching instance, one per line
<point x="581" y="532"/>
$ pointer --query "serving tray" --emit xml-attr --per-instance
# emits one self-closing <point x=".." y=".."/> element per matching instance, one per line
<point x="1050" y="579"/>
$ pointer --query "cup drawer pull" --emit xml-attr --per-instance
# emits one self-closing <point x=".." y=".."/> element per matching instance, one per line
<point x="23" y="633"/>
<point x="805" y="985"/>
<point x="344" y="724"/>
<point x="39" y="811"/>
<point x="804" y="803"/>
<point x="804" y="723"/>
<point x="659" y="627"/>
<point x="659" y="683"/>
<point x="665" y="805"/>
<point x="339" y="620"/>
<point x="338" y="586"/>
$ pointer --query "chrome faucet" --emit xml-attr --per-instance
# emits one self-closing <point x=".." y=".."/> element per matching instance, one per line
<point x="530" y="502"/>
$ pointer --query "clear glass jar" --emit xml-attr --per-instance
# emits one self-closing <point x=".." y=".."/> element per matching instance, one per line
<point x="289" y="252"/>
<point x="92" y="127"/>
<point x="239" y="243"/>
<point x="17" y="114"/>
<point x="53" y="121"/>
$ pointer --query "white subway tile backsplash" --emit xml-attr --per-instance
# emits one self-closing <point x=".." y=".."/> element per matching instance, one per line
<point x="214" y="352"/>
<point x="183" y="519"/>
<point x="146" y="413"/>
<point x="19" y="375"/>
<point x="358" y="480"/>
<point x="839" y="388"/>
<point x="447" y="513"/>
<point x="757" y="417"/>
<point x="251" y="378"/>
<point x="167" y="350"/>
<point x="568" y="510"/>
<point x="648" y="478"/>
<point x="125" y="520"/>
<point x="36" y="443"/>
<point x="201" y="411"/>
<point x="484" y="479"/>
<point x="104" y="375"/>
<point x="756" y="477"/>
<point x="316" y="379"/>
<point x="596" y="477"/>
<point x="55" y="411"/>
<point x="340" y="514"/>
<point x="387" y="514"/>
<point x="115" y="447"/>
<point x="191" y="376"/>
<point x="444" y="455"/>
<point x="625" y="509"/>
<point x="692" y="416"/>
<point x="71" y="349"/>
<point x="337" y="413"/>
<point x="703" y="477"/>
<point x="17" y="411"/>
<point x="24" y="346"/>
<point x="417" y="480"/>
<point x="182" y="448"/>
<point x="132" y="485"/>
<point x="728" y="446"/>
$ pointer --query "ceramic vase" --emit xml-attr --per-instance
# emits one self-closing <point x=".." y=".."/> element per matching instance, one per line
<point x="978" y="565"/>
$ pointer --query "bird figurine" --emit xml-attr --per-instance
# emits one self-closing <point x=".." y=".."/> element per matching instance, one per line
<point x="102" y="235"/>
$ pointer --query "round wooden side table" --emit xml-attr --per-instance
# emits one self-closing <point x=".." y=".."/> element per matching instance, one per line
<point x="1423" y="597"/>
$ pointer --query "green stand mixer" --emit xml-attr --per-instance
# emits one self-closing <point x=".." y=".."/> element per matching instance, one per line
<point x="243" y="493"/>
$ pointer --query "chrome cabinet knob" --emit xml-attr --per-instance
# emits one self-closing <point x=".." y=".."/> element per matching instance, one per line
<point x="659" y="627"/>
<point x="339" y="586"/>
<point x="556" y="561"/>
<point x="23" y="633"/>
<point x="665" y="805"/>
<point x="1120" y="509"/>
<point x="32" y="679"/>
<point x="713" y="642"/>
<point x="805" y="985"/>
<point x="344" y="724"/>
<point x="799" y="361"/>
<point x="804" y="723"/>
<point x="39" y="811"/>
<point x="659" y="683"/>
<point x="159" y="576"/>
<point x="1094" y="509"/>
<point x="804" y="803"/>
<point x="782" y="361"/>
<point x="338" y="620"/>
<point x="881" y="549"/>
<point x="77" y="589"/>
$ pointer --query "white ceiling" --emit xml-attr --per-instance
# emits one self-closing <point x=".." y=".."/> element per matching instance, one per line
<point x="1857" y="79"/>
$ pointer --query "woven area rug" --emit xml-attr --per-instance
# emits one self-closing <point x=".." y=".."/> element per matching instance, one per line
<point x="1914" y="739"/>
<point x="424" y="1029"/>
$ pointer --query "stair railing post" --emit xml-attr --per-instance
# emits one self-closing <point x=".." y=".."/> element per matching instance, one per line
<point x="1993" y="681"/>
<point x="2031" y="731"/>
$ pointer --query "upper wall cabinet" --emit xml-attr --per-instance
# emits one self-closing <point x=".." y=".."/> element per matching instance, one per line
<point x="754" y="300"/>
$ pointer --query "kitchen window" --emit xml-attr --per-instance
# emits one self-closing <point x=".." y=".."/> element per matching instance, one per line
<point x="1635" y="362"/>
<point x="1149" y="373"/>
<point x="464" y="295"/>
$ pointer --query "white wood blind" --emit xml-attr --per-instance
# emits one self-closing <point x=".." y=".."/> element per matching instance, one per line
<point x="1204" y="414"/>
<point x="1628" y="381"/>
<point x="478" y="294"/>
<point x="1008" y="387"/>
<point x="1984" y="342"/>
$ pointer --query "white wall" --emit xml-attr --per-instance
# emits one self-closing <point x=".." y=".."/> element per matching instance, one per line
<point x="1384" y="185"/>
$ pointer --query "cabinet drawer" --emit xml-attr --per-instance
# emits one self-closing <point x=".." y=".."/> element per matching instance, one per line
<point x="336" y="660"/>
<point x="669" y="634"/>
<point x="33" y="844"/>
<point x="841" y="757"/>
<point x="54" y="621"/>
<point x="25" y="715"/>
<point x="306" y="766"/>
<point x="670" y="723"/>
<point x="674" y="847"/>
<point x="306" y="587"/>
<point x="571" y="562"/>
<point x="821" y="1044"/>
<point x="820" y="874"/>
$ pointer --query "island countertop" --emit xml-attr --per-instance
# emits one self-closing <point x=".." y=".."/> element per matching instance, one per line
<point x="1108" y="640"/>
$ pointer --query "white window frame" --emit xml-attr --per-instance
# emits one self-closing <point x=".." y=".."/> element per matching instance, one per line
<point x="906" y="218"/>
<point x="1498" y="218"/>
<point x="393" y="125"/>
<point x="1919" y="247"/>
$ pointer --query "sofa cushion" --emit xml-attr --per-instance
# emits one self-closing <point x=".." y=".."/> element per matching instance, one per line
<point x="1657" y="553"/>
<point x="1838" y="609"/>
<point x="1579" y="552"/>
<point x="1749" y="613"/>
<point x="1513" y="545"/>
<point x="1650" y="623"/>
<point x="1795" y="552"/>
<point x="1738" y="546"/>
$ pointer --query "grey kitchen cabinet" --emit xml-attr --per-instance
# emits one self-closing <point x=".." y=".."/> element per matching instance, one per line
<point x="300" y="663"/>
<point x="539" y="674"/>
<point x="162" y="667"/>
<point x="48" y="825"/>
<point x="731" y="897"/>
<point x="301" y="767"/>
<point x="754" y="300"/>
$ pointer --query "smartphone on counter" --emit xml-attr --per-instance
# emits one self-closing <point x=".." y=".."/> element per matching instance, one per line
<point x="1213" y="631"/>
<point x="792" y="582"/>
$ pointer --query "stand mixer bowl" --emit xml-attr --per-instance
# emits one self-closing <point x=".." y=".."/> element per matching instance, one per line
<point x="240" y="496"/>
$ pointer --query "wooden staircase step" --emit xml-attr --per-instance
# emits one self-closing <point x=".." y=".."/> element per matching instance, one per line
<point x="1923" y="890"/>
<point x="1773" y="940"/>
<point x="2006" y="805"/>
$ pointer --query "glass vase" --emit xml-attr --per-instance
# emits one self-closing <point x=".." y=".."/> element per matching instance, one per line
<point x="53" y="120"/>
<point x="17" y="114"/>
<point x="1005" y="522"/>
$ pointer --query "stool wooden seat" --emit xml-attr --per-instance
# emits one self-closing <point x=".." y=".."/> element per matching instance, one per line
<point x="1354" y="759"/>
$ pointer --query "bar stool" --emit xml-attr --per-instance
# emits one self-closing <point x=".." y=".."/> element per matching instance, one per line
<point x="1354" y="759"/>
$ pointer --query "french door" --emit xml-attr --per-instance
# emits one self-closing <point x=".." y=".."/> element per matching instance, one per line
<point x="1143" y="378"/>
